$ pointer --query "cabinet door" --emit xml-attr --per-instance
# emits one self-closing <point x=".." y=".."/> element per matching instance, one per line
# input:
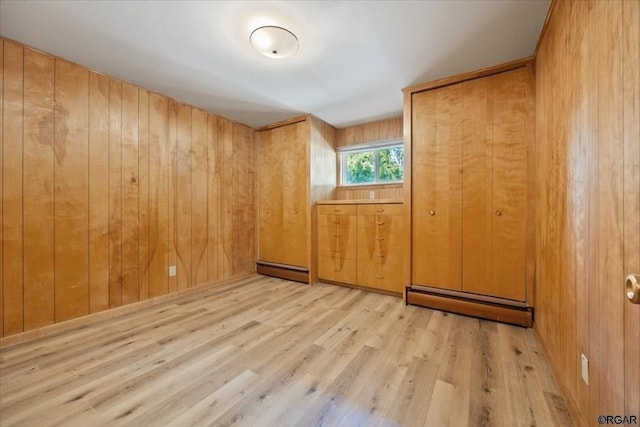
<point x="381" y="247"/>
<point x="437" y="188"/>
<point x="283" y="182"/>
<point x="495" y="186"/>
<point x="337" y="243"/>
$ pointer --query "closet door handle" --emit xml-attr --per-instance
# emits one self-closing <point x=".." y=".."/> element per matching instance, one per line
<point x="632" y="288"/>
<point x="432" y="212"/>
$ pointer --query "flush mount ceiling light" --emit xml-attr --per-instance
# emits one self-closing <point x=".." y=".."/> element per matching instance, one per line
<point x="274" y="42"/>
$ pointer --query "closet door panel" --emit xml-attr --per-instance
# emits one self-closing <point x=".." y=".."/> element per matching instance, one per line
<point x="477" y="215"/>
<point x="270" y="180"/>
<point x="294" y="195"/>
<point x="509" y="91"/>
<point x="437" y="212"/>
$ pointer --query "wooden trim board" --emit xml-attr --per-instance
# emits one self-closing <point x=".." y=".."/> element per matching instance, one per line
<point x="459" y="78"/>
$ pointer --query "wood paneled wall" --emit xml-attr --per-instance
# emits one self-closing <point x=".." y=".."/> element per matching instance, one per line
<point x="588" y="217"/>
<point x="379" y="130"/>
<point x="105" y="185"/>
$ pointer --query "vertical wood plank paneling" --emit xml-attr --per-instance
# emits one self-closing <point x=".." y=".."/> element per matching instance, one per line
<point x="199" y="183"/>
<point x="115" y="193"/>
<point x="610" y="220"/>
<point x="579" y="178"/>
<point x="251" y="207"/>
<point x="172" y="188"/>
<point x="631" y="171"/>
<point x="143" y="200"/>
<point x="98" y="192"/>
<point x="12" y="147"/>
<point x="213" y="199"/>
<point x="130" y="194"/>
<point x="71" y="191"/>
<point x="158" y="195"/>
<point x="116" y="180"/>
<point x="593" y="23"/>
<point x="183" y="196"/>
<point x="239" y="191"/>
<point x="38" y="190"/>
<point x="588" y="207"/>
<point x="225" y="141"/>
<point x="243" y="202"/>
<point x="1" y="186"/>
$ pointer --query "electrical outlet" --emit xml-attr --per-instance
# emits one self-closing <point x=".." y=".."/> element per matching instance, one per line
<point x="372" y="194"/>
<point x="172" y="271"/>
<point x="585" y="368"/>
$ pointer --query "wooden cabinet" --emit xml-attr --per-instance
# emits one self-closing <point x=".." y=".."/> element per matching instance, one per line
<point x="296" y="167"/>
<point x="381" y="246"/>
<point x="469" y="145"/>
<point x="363" y="244"/>
<point x="337" y="243"/>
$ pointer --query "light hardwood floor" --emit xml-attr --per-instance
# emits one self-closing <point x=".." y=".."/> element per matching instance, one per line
<point x="269" y="352"/>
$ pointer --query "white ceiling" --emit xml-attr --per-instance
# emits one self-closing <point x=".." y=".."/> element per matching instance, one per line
<point x="354" y="57"/>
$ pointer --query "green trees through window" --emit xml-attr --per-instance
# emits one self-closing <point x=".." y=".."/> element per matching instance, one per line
<point x="377" y="165"/>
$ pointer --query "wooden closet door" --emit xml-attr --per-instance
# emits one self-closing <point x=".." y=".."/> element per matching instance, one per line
<point x="437" y="188"/>
<point x="495" y="185"/>
<point x="477" y="199"/>
<point x="509" y="93"/>
<point x="293" y="152"/>
<point x="270" y="183"/>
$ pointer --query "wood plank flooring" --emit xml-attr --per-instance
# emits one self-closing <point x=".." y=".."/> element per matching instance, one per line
<point x="269" y="352"/>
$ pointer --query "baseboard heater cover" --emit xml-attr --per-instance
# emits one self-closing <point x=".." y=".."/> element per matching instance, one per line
<point x="521" y="316"/>
<point x="281" y="271"/>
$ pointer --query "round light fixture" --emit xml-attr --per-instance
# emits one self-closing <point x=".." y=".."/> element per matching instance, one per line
<point x="274" y="42"/>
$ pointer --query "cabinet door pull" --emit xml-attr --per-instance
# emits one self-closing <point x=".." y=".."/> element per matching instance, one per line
<point x="337" y="210"/>
<point x="379" y="210"/>
<point x="498" y="213"/>
<point x="432" y="212"/>
<point x="379" y="276"/>
<point x="379" y="238"/>
<point x="380" y="255"/>
<point x="632" y="288"/>
<point x="380" y="222"/>
<point x="336" y="222"/>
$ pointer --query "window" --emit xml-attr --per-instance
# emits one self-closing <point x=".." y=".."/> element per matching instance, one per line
<point x="373" y="164"/>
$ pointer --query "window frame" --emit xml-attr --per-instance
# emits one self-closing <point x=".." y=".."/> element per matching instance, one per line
<point x="342" y="152"/>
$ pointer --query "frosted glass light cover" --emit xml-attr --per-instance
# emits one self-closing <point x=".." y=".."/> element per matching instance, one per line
<point x="274" y="42"/>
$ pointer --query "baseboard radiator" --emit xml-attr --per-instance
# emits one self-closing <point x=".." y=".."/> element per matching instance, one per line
<point x="287" y="272"/>
<point x="505" y="311"/>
